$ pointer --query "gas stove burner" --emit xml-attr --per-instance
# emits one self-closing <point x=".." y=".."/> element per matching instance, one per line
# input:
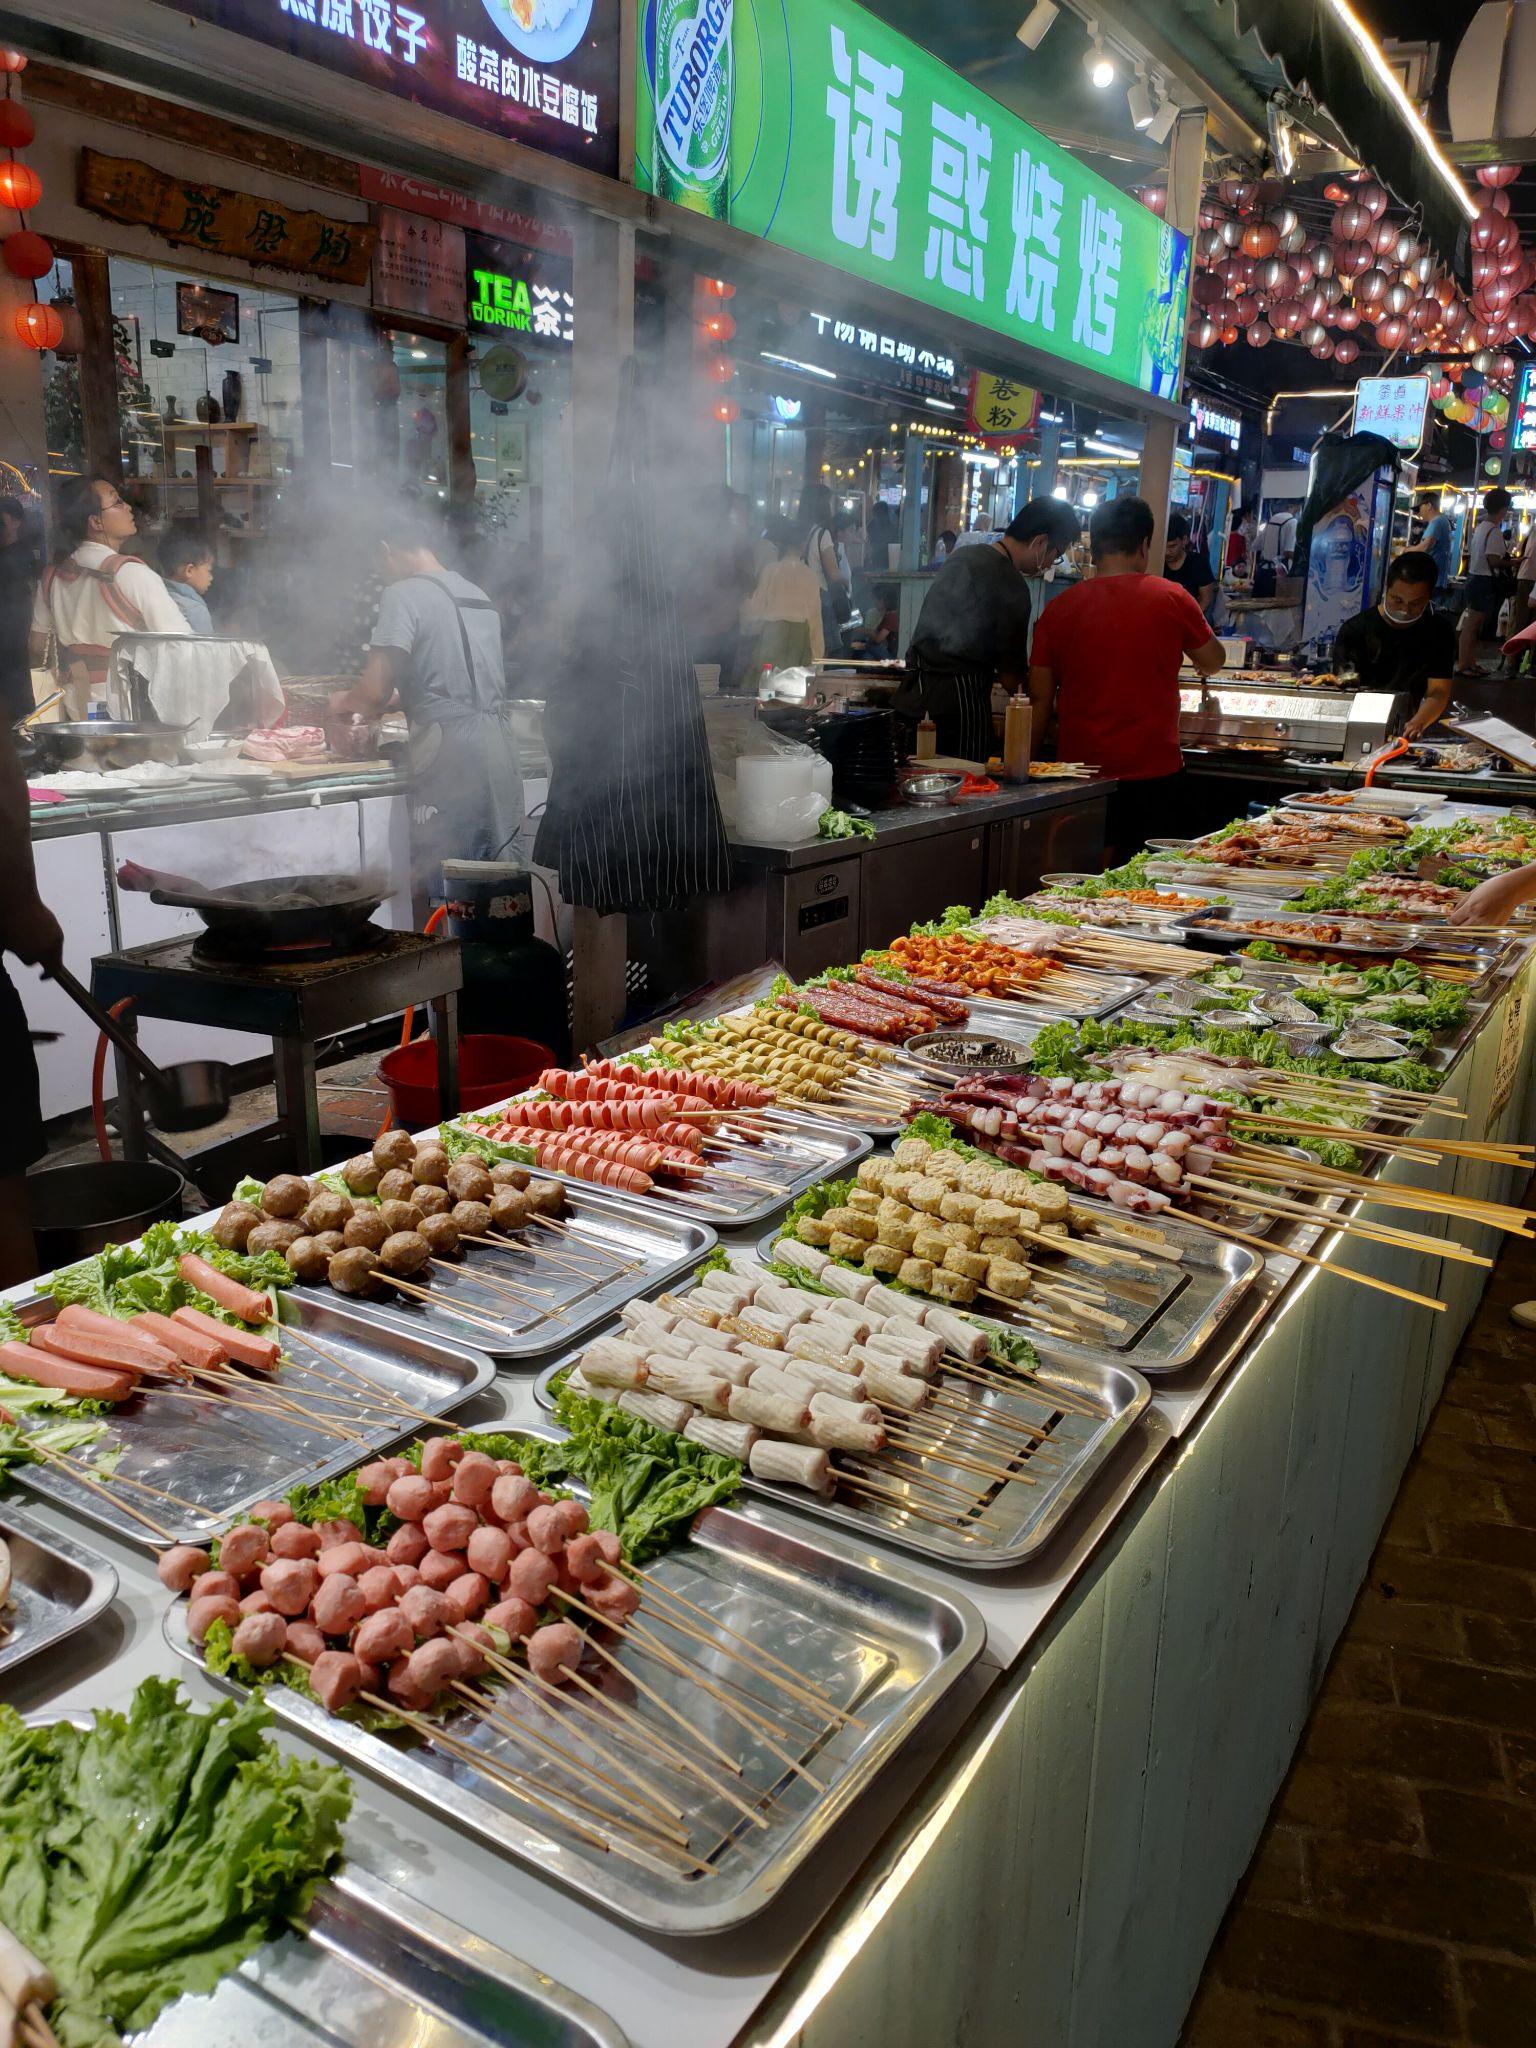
<point x="223" y="949"/>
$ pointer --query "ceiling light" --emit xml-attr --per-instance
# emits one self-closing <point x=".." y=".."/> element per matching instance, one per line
<point x="1282" y="138"/>
<point x="1139" y="100"/>
<point x="1099" y="64"/>
<point x="1372" y="52"/>
<point x="1036" y="25"/>
<point x="1090" y="499"/>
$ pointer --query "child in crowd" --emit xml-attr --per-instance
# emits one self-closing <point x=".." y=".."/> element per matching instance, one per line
<point x="186" y="561"/>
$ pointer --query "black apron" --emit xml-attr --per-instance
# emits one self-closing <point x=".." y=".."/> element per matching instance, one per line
<point x="960" y="705"/>
<point x="467" y="790"/>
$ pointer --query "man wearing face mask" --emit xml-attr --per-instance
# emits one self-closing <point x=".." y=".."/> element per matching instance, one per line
<point x="1402" y="645"/>
<point x="973" y="629"/>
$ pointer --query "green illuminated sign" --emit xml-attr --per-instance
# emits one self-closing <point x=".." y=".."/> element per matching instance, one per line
<point x="504" y="300"/>
<point x="812" y="124"/>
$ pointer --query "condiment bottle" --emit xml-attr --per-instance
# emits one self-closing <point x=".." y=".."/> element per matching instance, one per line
<point x="1017" y="723"/>
<point x="927" y="738"/>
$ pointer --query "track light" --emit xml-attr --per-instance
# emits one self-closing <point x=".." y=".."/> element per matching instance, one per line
<point x="1097" y="61"/>
<point x="1160" y="127"/>
<point x="1139" y="100"/>
<point x="1036" y="25"/>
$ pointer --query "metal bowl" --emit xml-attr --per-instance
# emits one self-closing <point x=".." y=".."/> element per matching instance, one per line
<point x="970" y="1052"/>
<point x="935" y="788"/>
<point x="128" y="741"/>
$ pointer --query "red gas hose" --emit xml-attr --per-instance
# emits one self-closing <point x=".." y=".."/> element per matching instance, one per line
<point x="427" y="930"/>
<point x="98" y="1078"/>
<point x="1398" y="746"/>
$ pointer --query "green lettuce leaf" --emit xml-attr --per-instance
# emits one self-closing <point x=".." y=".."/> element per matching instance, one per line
<point x="646" y="1484"/>
<point x="148" y="1855"/>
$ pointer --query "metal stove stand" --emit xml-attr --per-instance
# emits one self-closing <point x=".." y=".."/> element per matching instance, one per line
<point x="296" y="1002"/>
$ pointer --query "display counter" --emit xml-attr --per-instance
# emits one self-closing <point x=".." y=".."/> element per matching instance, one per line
<point x="351" y="821"/>
<point x="811" y="903"/>
<point x="1064" y="1838"/>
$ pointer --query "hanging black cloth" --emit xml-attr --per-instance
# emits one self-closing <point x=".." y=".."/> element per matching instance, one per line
<point x="1339" y="463"/>
<point x="632" y="821"/>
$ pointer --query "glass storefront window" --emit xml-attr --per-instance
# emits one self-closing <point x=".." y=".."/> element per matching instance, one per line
<point x="63" y="421"/>
<point x="209" y="415"/>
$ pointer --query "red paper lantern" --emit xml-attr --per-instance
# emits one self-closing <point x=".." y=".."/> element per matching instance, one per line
<point x="1323" y="349"/>
<point x="1261" y="238"/>
<point x="1246" y="310"/>
<point x="1371" y="287"/>
<point x="1236" y="192"/>
<point x="719" y="326"/>
<point x="1351" y="222"/>
<point x="1399" y="297"/>
<point x="726" y="411"/>
<point x="720" y="369"/>
<point x="1498" y="439"/>
<point x="1499" y="201"/>
<point x="718" y="288"/>
<point x="1504" y="369"/>
<point x="1315" y="334"/>
<point x="1351" y="258"/>
<point x="1203" y="333"/>
<point x="1423" y="314"/>
<point x="38" y="326"/>
<point x="1492" y="176"/>
<point x="1392" y="332"/>
<point x="1337" y="193"/>
<point x="1384" y="235"/>
<point x="18" y="130"/>
<point x="1259" y="334"/>
<point x="1373" y="199"/>
<point x="1345" y="349"/>
<point x="26" y="254"/>
<point x="1155" y="199"/>
<point x="12" y="60"/>
<point x="20" y="186"/>
<point x="1346" y="317"/>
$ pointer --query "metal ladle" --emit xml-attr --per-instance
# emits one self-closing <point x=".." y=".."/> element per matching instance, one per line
<point x="186" y="1097"/>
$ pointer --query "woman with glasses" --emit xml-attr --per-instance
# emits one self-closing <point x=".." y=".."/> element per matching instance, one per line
<point x="92" y="593"/>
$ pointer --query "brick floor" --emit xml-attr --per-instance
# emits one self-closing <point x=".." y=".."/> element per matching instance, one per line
<point x="1392" y="1899"/>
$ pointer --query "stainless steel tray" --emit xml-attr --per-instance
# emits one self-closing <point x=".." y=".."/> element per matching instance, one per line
<point x="988" y="1013"/>
<point x="374" y="1969"/>
<point x="883" y="1646"/>
<point x="806" y="1149"/>
<point x="56" y="1587"/>
<point x="1012" y="1519"/>
<point x="1172" y="1307"/>
<point x="1214" y="930"/>
<point x="616" y="1248"/>
<point x="219" y="1457"/>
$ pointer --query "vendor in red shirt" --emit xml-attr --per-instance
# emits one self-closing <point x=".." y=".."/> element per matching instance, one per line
<point x="1106" y="657"/>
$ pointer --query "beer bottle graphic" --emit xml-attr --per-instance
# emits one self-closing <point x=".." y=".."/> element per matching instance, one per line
<point x="694" y="86"/>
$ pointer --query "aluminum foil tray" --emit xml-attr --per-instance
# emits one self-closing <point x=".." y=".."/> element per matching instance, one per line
<point x="56" y="1587"/>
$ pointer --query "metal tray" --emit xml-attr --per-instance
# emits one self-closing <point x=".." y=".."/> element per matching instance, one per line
<point x="621" y="1245"/>
<point x="1213" y="929"/>
<point x="1172" y="1308"/>
<point x="1015" y="1518"/>
<point x="882" y="1645"/>
<point x="372" y="1967"/>
<point x="56" y="1587"/>
<point x="808" y="1150"/>
<point x="375" y="1967"/>
<point x="220" y="1458"/>
<point x="989" y="1013"/>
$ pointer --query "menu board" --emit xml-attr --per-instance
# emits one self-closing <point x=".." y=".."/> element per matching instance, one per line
<point x="540" y="72"/>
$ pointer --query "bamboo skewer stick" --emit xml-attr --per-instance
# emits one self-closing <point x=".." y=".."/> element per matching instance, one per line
<point x="1306" y="1259"/>
<point x="937" y="1448"/>
<point x="336" y="1359"/>
<point x="1470" y="1208"/>
<point x="73" y="1471"/>
<point x="896" y="1502"/>
<point x="482" y="1322"/>
<point x="797" y="1701"/>
<point x="472" y="1277"/>
<point x="489" y="1710"/>
<point x="1430" y="1149"/>
<point x="1235" y="1195"/>
<point x="784" y="1675"/>
<point x="34" y="2027"/>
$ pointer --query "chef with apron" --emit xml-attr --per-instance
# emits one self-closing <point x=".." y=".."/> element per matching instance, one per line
<point x="973" y="629"/>
<point x="436" y="646"/>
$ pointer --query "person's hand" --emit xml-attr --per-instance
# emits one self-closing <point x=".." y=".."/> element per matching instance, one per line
<point x="32" y="933"/>
<point x="1496" y="900"/>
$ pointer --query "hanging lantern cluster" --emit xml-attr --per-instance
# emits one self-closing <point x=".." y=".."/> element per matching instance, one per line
<point x="1476" y="395"/>
<point x="719" y="330"/>
<point x="1262" y="275"/>
<point x="25" y="254"/>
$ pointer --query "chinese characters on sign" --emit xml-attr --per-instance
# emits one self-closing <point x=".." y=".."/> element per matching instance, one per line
<point x="542" y="72"/>
<point x="1522" y="413"/>
<point x="1393" y="407"/>
<point x="418" y="266"/>
<point x="999" y="409"/>
<point x="912" y="367"/>
<point x="1216" y="426"/>
<point x="225" y="223"/>
<point x="849" y="142"/>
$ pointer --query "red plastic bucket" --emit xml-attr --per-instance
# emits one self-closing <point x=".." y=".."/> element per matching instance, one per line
<point x="490" y="1067"/>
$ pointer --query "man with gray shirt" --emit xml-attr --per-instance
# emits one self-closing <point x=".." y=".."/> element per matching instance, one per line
<point x="436" y="646"/>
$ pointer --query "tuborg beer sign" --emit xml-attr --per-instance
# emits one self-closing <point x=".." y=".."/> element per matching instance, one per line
<point x="904" y="174"/>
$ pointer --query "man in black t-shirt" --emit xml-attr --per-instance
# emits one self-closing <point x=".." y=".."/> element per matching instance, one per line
<point x="1401" y="645"/>
<point x="1188" y="564"/>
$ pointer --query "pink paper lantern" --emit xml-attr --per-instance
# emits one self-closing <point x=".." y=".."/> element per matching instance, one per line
<point x="1259" y="334"/>
<point x="1345" y="349"/>
<point x="1371" y="287"/>
<point x="1392" y="332"/>
<point x="1373" y="199"/>
<point x="1494" y="176"/>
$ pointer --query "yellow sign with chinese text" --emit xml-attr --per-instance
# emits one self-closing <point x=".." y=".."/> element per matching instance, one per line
<point x="1001" y="409"/>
